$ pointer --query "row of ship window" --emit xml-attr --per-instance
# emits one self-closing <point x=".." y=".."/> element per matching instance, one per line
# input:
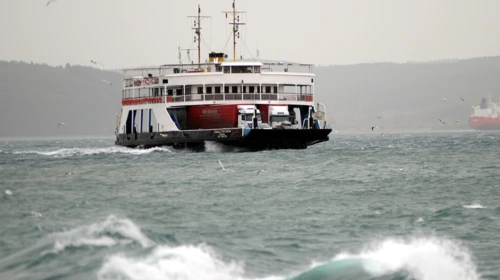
<point x="128" y="93"/>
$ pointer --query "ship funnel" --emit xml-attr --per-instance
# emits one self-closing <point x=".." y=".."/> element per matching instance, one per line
<point x="214" y="57"/>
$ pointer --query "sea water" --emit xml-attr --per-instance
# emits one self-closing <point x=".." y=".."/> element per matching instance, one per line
<point x="361" y="206"/>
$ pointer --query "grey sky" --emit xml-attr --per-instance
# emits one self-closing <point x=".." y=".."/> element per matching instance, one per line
<point x="125" y="33"/>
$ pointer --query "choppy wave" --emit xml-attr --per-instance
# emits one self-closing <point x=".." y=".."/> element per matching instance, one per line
<point x="111" y="232"/>
<point x="69" y="152"/>
<point x="474" y="206"/>
<point x="419" y="258"/>
<point x="184" y="262"/>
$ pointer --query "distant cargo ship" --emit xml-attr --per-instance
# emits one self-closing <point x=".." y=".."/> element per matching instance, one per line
<point x="258" y="105"/>
<point x="485" y="115"/>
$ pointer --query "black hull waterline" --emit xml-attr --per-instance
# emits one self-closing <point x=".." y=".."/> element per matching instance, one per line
<point x="256" y="139"/>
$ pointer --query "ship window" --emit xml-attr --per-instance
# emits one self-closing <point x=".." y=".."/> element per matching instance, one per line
<point x="209" y="89"/>
<point x="165" y="81"/>
<point x="227" y="69"/>
<point x="188" y="90"/>
<point x="251" y="89"/>
<point x="161" y="91"/>
<point x="200" y="90"/>
<point x="234" y="89"/>
<point x="268" y="89"/>
<point x="170" y="92"/>
<point x="217" y="89"/>
<point x="257" y="69"/>
<point x="275" y="89"/>
<point x="226" y="89"/>
<point x="244" y="89"/>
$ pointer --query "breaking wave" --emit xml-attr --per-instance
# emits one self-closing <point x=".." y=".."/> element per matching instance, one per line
<point x="69" y="152"/>
<point x="419" y="258"/>
<point x="474" y="206"/>
<point x="113" y="231"/>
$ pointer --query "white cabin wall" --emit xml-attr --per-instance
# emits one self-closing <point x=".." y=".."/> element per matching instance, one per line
<point x="159" y="113"/>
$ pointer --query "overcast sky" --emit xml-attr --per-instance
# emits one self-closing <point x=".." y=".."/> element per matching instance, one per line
<point x="129" y="33"/>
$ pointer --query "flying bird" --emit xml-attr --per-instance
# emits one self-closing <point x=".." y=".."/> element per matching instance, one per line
<point x="108" y="82"/>
<point x="373" y="127"/>
<point x="379" y="117"/>
<point x="220" y="163"/>
<point x="456" y="121"/>
<point x="462" y="99"/>
<point x="51" y="1"/>
<point x="59" y="125"/>
<point x="93" y="62"/>
<point x="441" y="121"/>
<point x="444" y="99"/>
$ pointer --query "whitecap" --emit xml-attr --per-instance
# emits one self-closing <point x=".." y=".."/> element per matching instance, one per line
<point x="424" y="258"/>
<point x="474" y="206"/>
<point x="8" y="192"/>
<point x="183" y="262"/>
<point x="113" y="231"/>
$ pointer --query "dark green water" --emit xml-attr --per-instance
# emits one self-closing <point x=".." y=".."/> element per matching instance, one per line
<point x="366" y="206"/>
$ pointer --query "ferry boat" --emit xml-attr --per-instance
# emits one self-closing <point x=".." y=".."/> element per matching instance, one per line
<point x="253" y="104"/>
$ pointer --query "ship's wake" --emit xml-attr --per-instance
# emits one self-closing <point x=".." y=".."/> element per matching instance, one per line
<point x="71" y="152"/>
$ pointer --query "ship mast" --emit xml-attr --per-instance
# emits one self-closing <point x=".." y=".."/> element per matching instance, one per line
<point x="236" y="23"/>
<point x="197" y="28"/>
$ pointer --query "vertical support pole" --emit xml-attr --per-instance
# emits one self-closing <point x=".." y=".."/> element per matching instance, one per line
<point x="142" y="119"/>
<point x="149" y="122"/>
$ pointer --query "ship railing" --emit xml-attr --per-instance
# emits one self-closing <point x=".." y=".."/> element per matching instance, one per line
<point x="287" y="67"/>
<point x="134" y="76"/>
<point x="218" y="97"/>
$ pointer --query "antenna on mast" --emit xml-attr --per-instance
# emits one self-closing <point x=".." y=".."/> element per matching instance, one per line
<point x="197" y="28"/>
<point x="188" y="54"/>
<point x="236" y="23"/>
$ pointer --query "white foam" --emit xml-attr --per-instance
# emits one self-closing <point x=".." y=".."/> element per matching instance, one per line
<point x="424" y="258"/>
<point x="8" y="192"/>
<point x="183" y="262"/>
<point x="68" y="152"/>
<point x="111" y="232"/>
<point x="474" y="206"/>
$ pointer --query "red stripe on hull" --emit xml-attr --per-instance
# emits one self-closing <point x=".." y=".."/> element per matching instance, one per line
<point x="484" y="123"/>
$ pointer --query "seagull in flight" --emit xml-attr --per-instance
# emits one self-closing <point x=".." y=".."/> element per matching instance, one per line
<point x="441" y="121"/>
<point x="373" y="127"/>
<point x="456" y="121"/>
<point x="108" y="82"/>
<point x="59" y="125"/>
<point x="379" y="117"/>
<point x="444" y="99"/>
<point x="51" y="1"/>
<point x="462" y="99"/>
